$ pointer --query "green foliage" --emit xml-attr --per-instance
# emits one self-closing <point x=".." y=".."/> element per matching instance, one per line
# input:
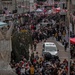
<point x="20" y="45"/>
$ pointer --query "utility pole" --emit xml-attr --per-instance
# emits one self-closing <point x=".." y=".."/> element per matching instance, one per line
<point x="68" y="17"/>
<point x="29" y="6"/>
<point x="15" y="4"/>
<point x="0" y="5"/>
<point x="23" y="6"/>
<point x="26" y="6"/>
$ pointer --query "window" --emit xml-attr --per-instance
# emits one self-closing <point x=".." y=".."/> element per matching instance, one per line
<point x="48" y="48"/>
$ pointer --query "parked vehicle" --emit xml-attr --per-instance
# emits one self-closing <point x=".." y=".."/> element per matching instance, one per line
<point x="50" y="50"/>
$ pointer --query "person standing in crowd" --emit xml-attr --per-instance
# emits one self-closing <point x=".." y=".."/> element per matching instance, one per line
<point x="56" y="36"/>
<point x="65" y="45"/>
<point x="59" y="71"/>
<point x="32" y="57"/>
<point x="35" y="44"/>
<point x="23" y="70"/>
<point x="43" y="66"/>
<point x="32" y="70"/>
<point x="40" y="35"/>
<point x="18" y="69"/>
<point x="37" y="56"/>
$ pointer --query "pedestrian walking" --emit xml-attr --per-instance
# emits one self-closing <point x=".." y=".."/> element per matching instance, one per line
<point x="65" y="45"/>
<point x="36" y="56"/>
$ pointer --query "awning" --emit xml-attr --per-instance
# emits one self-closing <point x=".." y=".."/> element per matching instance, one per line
<point x="2" y="24"/>
<point x="72" y="40"/>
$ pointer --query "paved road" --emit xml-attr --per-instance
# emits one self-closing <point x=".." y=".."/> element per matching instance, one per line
<point x="61" y="53"/>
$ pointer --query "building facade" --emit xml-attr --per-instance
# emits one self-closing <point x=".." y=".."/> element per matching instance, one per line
<point x="20" y="5"/>
<point x="7" y="4"/>
<point x="72" y="7"/>
<point x="32" y="5"/>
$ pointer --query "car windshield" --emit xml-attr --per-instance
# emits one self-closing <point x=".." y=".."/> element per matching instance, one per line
<point x="50" y="48"/>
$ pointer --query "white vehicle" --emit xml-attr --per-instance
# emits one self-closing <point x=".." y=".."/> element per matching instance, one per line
<point x="50" y="47"/>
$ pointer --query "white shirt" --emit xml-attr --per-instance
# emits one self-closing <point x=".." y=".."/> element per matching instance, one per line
<point x="22" y="70"/>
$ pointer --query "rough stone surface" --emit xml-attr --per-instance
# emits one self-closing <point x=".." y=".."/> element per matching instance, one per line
<point x="7" y="72"/>
<point x="5" y="50"/>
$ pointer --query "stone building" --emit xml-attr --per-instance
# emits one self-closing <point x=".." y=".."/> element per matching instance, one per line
<point x="20" y="5"/>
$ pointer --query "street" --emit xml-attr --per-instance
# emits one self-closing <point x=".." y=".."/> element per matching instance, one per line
<point x="61" y="53"/>
<point x="37" y="37"/>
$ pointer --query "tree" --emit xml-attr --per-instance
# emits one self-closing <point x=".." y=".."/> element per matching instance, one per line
<point x="20" y="45"/>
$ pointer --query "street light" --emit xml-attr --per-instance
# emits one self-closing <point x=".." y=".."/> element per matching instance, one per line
<point x="0" y="4"/>
<point x="68" y="17"/>
<point x="23" y="6"/>
<point x="15" y="5"/>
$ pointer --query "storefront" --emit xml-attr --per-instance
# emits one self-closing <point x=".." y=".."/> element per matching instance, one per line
<point x="72" y="47"/>
<point x="72" y="40"/>
<point x="72" y="19"/>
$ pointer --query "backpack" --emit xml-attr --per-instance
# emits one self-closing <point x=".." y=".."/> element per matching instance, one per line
<point x="64" y="73"/>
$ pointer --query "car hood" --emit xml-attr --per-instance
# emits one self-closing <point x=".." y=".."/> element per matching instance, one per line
<point x="52" y="53"/>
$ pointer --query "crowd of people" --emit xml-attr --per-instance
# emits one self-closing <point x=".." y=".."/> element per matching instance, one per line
<point x="39" y="65"/>
<point x="53" y="28"/>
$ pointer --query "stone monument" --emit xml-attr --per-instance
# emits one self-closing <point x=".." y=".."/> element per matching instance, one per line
<point x="5" y="50"/>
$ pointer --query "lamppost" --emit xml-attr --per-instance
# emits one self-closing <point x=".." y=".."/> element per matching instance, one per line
<point x="23" y="6"/>
<point x="68" y="17"/>
<point x="0" y="4"/>
<point x="15" y="4"/>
